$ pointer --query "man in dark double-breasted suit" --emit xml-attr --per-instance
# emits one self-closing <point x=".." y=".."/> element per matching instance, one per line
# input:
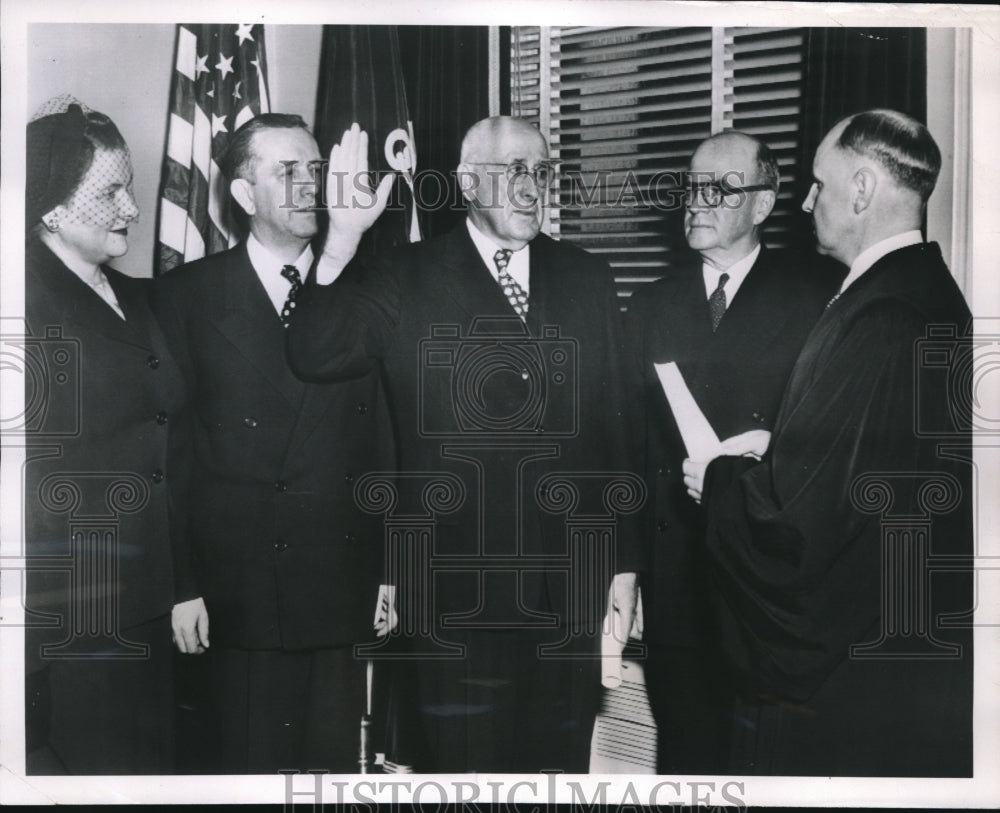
<point x="733" y="317"/>
<point x="289" y="567"/>
<point x="500" y="351"/>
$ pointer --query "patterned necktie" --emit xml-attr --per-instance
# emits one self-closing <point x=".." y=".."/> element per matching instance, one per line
<point x="717" y="302"/>
<point x="291" y="273"/>
<point x="515" y="293"/>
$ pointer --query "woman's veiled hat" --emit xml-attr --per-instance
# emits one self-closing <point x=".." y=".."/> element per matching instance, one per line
<point x="55" y="140"/>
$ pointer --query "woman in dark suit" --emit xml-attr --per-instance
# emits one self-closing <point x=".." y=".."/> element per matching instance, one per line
<point x="105" y="435"/>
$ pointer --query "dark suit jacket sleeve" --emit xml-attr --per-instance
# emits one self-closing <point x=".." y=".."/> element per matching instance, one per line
<point x="341" y="330"/>
<point x="795" y="561"/>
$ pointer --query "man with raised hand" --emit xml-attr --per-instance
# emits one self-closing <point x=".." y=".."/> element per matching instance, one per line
<point x="499" y="349"/>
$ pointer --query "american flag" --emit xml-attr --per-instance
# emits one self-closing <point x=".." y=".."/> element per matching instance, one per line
<point x="219" y="82"/>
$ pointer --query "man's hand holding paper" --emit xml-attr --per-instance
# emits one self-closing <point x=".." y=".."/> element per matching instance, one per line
<point x="748" y="444"/>
<point x="700" y="440"/>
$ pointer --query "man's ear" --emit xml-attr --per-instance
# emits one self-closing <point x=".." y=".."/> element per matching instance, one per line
<point x="240" y="190"/>
<point x="763" y="206"/>
<point x="468" y="181"/>
<point x="863" y="185"/>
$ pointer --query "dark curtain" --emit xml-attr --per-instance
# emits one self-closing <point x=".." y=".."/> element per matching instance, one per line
<point x="446" y="70"/>
<point x="848" y="70"/>
<point x="361" y="79"/>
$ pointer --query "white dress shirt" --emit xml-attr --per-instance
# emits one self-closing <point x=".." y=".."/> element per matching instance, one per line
<point x="737" y="273"/>
<point x="517" y="266"/>
<point x="871" y="255"/>
<point x="268" y="268"/>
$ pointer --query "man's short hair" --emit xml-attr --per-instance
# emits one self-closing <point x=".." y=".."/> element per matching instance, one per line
<point x="767" y="167"/>
<point x="238" y="160"/>
<point x="900" y="144"/>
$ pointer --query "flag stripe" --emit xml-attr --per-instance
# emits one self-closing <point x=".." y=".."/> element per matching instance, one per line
<point x="244" y="116"/>
<point x="219" y="192"/>
<point x="201" y="145"/>
<point x="173" y="225"/>
<point x="219" y="83"/>
<point x="179" y="139"/>
<point x="187" y="52"/>
<point x="177" y="183"/>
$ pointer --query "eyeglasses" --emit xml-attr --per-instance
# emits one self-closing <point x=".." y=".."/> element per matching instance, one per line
<point x="543" y="174"/>
<point x="713" y="193"/>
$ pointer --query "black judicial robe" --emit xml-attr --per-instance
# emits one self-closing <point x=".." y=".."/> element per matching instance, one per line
<point x="871" y="440"/>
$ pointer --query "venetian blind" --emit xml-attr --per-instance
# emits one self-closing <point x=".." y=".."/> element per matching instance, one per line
<point x="624" y="108"/>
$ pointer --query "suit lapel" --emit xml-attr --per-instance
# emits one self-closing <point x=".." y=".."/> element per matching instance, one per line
<point x="458" y="274"/>
<point x="251" y="324"/>
<point x="684" y="326"/>
<point x="132" y="299"/>
<point x="53" y="280"/>
<point x="544" y="275"/>
<point x="752" y="315"/>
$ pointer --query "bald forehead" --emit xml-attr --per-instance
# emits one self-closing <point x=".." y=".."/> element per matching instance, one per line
<point x="502" y="139"/>
<point x="726" y="152"/>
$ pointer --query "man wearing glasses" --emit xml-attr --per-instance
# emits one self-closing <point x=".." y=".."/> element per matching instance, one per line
<point x="499" y="349"/>
<point x="733" y="317"/>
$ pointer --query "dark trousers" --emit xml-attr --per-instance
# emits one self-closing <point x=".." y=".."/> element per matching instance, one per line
<point x="506" y="706"/>
<point x="692" y="704"/>
<point x="277" y="710"/>
<point x="104" y="715"/>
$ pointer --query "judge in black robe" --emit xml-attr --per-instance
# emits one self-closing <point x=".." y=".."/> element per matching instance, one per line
<point x="843" y="584"/>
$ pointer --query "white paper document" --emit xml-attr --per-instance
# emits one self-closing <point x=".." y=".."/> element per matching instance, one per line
<point x="699" y="438"/>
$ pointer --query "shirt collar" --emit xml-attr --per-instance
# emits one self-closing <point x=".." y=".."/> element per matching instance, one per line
<point x="268" y="265"/>
<point x="737" y="273"/>
<point x="871" y="255"/>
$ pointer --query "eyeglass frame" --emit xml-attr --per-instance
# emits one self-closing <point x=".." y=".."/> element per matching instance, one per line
<point x="722" y="189"/>
<point x="512" y="174"/>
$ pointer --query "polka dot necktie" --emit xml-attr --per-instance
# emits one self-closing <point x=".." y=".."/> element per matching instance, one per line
<point x="291" y="273"/>
<point x="717" y="302"/>
<point x="515" y="293"/>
